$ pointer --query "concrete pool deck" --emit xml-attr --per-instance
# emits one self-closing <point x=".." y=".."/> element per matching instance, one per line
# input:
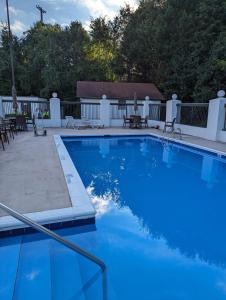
<point x="31" y="177"/>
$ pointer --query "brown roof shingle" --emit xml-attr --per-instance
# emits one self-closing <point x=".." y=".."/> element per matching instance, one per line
<point x="117" y="90"/>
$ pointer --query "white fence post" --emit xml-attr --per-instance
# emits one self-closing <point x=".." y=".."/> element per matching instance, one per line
<point x="146" y="107"/>
<point x="171" y="108"/>
<point x="216" y="114"/>
<point x="105" y="111"/>
<point x="55" y="115"/>
<point x="1" y="107"/>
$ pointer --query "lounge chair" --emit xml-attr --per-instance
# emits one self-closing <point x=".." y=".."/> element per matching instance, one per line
<point x="96" y="124"/>
<point x="82" y="123"/>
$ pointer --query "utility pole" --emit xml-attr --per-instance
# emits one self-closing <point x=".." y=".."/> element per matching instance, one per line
<point x="42" y="11"/>
<point x="12" y="60"/>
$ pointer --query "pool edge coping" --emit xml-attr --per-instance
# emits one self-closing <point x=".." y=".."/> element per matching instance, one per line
<point x="76" y="189"/>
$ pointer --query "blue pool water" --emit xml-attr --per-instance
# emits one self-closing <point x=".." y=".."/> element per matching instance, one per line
<point x="160" y="228"/>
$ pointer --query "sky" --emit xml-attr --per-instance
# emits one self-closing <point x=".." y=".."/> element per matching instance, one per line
<point x="23" y="13"/>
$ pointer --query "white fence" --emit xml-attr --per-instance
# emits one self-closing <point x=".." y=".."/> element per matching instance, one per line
<point x="80" y="110"/>
<point x="206" y="120"/>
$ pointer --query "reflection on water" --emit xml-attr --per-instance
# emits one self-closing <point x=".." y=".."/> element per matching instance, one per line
<point x="211" y="170"/>
<point x="172" y="198"/>
<point x="168" y="155"/>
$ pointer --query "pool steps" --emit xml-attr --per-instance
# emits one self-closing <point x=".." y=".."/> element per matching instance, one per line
<point x="69" y="289"/>
<point x="33" y="270"/>
<point x="34" y="267"/>
<point x="9" y="257"/>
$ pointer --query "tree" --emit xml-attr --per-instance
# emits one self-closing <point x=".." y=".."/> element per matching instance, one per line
<point x="99" y="30"/>
<point x="140" y="43"/>
<point x="209" y="49"/>
<point x="5" y="68"/>
<point x="177" y="44"/>
<point x="101" y="53"/>
<point x="54" y="59"/>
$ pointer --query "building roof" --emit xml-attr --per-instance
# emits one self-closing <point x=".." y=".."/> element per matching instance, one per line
<point x="117" y="90"/>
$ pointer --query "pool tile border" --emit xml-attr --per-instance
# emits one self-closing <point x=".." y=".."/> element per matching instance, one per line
<point x="51" y="226"/>
<point x="158" y="137"/>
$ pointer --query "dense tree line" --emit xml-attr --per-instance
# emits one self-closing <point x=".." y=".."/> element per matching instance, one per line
<point x="180" y="45"/>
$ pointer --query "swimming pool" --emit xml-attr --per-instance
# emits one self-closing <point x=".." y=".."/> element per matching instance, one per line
<point x="161" y="220"/>
<point x="160" y="227"/>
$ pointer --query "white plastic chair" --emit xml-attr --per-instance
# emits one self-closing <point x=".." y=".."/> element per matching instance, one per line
<point x="70" y="122"/>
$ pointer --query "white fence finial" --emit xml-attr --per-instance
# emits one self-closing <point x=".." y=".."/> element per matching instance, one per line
<point x="221" y="94"/>
<point x="174" y="97"/>
<point x="54" y="95"/>
<point x="104" y="97"/>
<point x="147" y="98"/>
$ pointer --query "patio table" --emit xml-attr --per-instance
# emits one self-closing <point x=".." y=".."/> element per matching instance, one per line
<point x="135" y="121"/>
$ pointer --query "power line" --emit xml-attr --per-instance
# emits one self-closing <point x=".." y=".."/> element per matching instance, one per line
<point x="42" y="11"/>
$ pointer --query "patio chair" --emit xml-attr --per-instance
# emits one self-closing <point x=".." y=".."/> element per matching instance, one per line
<point x="169" y="125"/>
<point x="4" y="134"/>
<point x="21" y="123"/>
<point x="9" y="127"/>
<point x="126" y="121"/>
<point x="2" y="141"/>
<point x="11" y="122"/>
<point x="70" y="122"/>
<point x="37" y="130"/>
<point x="31" y="121"/>
<point x="144" y="122"/>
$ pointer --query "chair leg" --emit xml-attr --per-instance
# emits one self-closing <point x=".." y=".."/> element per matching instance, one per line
<point x="12" y="134"/>
<point x="6" y="137"/>
<point x="2" y="142"/>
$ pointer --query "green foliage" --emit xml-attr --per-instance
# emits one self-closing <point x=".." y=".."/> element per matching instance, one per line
<point x="54" y="59"/>
<point x="5" y="69"/>
<point x="100" y="58"/>
<point x="45" y="115"/>
<point x="99" y="30"/>
<point x="180" y="45"/>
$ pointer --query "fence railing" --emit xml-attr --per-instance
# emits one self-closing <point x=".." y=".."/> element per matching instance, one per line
<point x="80" y="110"/>
<point x="224" y="117"/>
<point x="157" y="112"/>
<point x="28" y="108"/>
<point x="126" y="109"/>
<point x="193" y="114"/>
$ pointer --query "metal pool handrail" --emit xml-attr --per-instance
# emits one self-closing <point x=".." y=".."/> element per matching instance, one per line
<point x="61" y="240"/>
